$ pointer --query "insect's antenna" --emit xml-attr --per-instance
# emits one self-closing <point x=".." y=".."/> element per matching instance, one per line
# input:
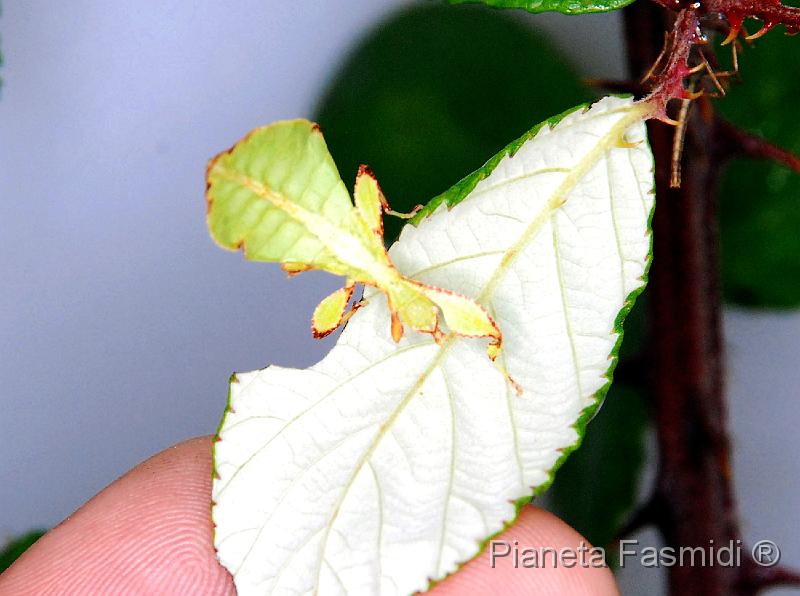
<point x="678" y="141"/>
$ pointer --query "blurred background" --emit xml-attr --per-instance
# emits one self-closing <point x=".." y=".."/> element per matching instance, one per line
<point x="121" y="321"/>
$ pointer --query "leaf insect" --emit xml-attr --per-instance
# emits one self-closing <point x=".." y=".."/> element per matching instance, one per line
<point x="277" y="195"/>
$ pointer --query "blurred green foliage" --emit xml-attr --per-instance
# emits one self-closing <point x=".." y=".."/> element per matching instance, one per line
<point x="427" y="98"/>
<point x="597" y="487"/>
<point x="436" y="91"/>
<point x="16" y="547"/>
<point x="760" y="200"/>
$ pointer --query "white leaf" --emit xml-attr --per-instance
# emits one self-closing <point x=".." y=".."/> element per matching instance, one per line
<point x="386" y="465"/>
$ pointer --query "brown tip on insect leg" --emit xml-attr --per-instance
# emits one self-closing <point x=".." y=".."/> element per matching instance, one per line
<point x="293" y="269"/>
<point x="514" y="385"/>
<point x="397" y="327"/>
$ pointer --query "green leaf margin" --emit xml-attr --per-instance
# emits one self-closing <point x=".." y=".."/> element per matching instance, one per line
<point x="562" y="6"/>
<point x="457" y="193"/>
<point x="451" y="197"/>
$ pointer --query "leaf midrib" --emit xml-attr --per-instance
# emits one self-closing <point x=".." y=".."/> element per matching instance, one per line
<point x="610" y="139"/>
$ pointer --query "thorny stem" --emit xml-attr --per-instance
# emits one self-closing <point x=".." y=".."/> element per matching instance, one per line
<point x="668" y="82"/>
<point x="670" y="67"/>
<point x="693" y="501"/>
<point x="769" y="12"/>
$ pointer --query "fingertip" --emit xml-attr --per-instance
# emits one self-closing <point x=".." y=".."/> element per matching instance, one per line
<point x="147" y="533"/>
<point x="546" y="537"/>
<point x="150" y="533"/>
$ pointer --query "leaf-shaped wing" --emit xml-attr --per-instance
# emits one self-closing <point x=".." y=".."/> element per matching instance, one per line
<point x="387" y="465"/>
<point x="266" y="193"/>
<point x="277" y="195"/>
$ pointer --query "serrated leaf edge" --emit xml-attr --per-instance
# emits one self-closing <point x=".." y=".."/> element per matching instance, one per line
<point x="454" y="195"/>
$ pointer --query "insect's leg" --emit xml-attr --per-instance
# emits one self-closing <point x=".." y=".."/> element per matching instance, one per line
<point x="355" y="306"/>
<point x="397" y="326"/>
<point x="389" y="211"/>
<point x="509" y="379"/>
<point x="466" y="317"/>
<point x="371" y="202"/>
<point x="408" y="215"/>
<point x="293" y="269"/>
<point x="330" y="313"/>
<point x="410" y="306"/>
<point x="369" y="199"/>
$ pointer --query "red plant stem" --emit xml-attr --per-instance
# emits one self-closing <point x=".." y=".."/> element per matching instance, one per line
<point x="694" y="488"/>
<point x="757" y="578"/>
<point x="739" y="143"/>
<point x="668" y="81"/>
<point x="771" y="12"/>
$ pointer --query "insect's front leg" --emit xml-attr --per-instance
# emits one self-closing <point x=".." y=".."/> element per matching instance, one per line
<point x="331" y="312"/>
<point x="371" y="202"/>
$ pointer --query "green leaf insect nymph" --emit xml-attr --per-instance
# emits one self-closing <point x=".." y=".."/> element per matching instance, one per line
<point x="277" y="196"/>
